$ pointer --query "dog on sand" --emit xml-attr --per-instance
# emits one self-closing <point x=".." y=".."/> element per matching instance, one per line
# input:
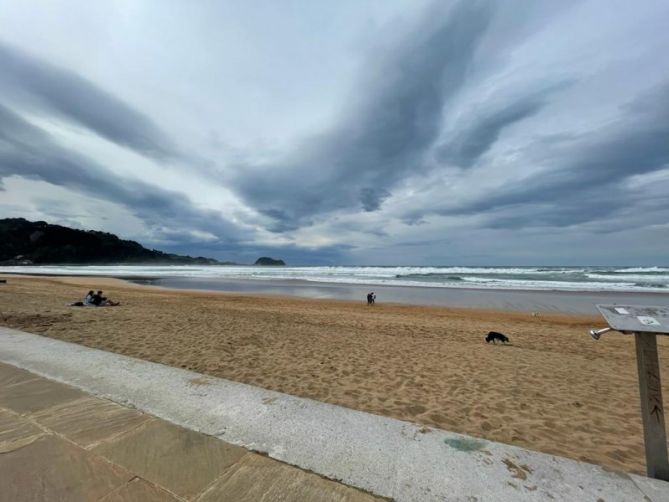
<point x="493" y="336"/>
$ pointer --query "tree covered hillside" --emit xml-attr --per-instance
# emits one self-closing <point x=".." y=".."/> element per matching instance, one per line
<point x="38" y="242"/>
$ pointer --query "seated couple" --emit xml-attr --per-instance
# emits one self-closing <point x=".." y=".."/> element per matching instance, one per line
<point x="97" y="300"/>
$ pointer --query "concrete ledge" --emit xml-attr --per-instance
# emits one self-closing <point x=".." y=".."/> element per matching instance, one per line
<point x="385" y="456"/>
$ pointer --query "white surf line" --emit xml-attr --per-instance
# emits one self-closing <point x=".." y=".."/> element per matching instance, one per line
<point x="385" y="456"/>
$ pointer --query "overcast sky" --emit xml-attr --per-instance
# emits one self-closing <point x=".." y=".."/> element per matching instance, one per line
<point x="350" y="132"/>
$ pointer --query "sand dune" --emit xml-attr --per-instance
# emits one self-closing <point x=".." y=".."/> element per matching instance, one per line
<point x="552" y="389"/>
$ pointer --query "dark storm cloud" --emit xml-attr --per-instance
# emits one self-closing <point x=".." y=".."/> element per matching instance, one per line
<point x="584" y="179"/>
<point x="393" y="119"/>
<point x="372" y="198"/>
<point x="27" y="151"/>
<point x="39" y="84"/>
<point x="572" y="208"/>
<point x="473" y="136"/>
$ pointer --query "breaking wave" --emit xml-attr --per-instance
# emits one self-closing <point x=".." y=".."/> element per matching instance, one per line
<point x="532" y="278"/>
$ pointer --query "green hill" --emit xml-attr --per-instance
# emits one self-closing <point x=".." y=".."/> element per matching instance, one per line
<point x="24" y="242"/>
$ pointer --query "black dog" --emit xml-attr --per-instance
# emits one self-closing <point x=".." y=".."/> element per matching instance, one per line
<point x="494" y="335"/>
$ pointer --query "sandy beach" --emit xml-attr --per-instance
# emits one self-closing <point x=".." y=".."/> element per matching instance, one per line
<point x="553" y="389"/>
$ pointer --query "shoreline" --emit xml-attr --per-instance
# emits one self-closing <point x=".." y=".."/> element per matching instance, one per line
<point x="505" y="300"/>
<point x="122" y="284"/>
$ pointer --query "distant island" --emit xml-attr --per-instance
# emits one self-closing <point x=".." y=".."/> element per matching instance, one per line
<point x="24" y="242"/>
<point x="267" y="261"/>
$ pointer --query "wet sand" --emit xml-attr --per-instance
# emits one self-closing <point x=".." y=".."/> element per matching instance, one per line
<point x="553" y="389"/>
<point x="572" y="302"/>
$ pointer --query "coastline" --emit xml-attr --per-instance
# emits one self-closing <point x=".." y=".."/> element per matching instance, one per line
<point x="504" y="299"/>
<point x="552" y="389"/>
<point x="517" y="300"/>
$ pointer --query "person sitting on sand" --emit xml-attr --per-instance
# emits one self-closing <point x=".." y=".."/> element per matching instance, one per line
<point x="97" y="299"/>
<point x="102" y="301"/>
<point x="89" y="299"/>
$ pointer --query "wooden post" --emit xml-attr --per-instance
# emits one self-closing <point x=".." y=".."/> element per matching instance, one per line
<point x="652" y="409"/>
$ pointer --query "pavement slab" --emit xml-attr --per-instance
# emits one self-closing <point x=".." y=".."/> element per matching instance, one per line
<point x="53" y="469"/>
<point x="89" y="421"/>
<point x="183" y="461"/>
<point x="10" y="375"/>
<point x="138" y="490"/>
<point x="30" y="396"/>
<point x="16" y="432"/>
<point x="259" y="479"/>
<point x="93" y="449"/>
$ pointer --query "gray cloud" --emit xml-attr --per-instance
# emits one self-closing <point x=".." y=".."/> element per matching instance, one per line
<point x="292" y="254"/>
<point x="36" y="83"/>
<point x="372" y="198"/>
<point x="571" y="208"/>
<point x="472" y="137"/>
<point x="393" y="119"/>
<point x="462" y="116"/>
<point x="583" y="179"/>
<point x="27" y="151"/>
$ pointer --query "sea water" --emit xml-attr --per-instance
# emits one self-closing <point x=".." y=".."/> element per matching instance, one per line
<point x="630" y="279"/>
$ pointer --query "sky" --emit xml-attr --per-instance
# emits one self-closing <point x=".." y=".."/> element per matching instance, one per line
<point x="387" y="132"/>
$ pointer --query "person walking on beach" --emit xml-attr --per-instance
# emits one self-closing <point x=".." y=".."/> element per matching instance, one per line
<point x="371" y="298"/>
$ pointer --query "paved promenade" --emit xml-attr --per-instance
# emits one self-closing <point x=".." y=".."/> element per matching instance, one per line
<point x="195" y="434"/>
<point x="58" y="443"/>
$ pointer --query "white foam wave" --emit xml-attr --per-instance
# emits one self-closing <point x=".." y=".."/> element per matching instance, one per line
<point x="656" y="278"/>
<point x="642" y="270"/>
<point x="533" y="278"/>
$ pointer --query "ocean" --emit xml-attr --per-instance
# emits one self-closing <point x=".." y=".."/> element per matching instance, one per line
<point x="619" y="279"/>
